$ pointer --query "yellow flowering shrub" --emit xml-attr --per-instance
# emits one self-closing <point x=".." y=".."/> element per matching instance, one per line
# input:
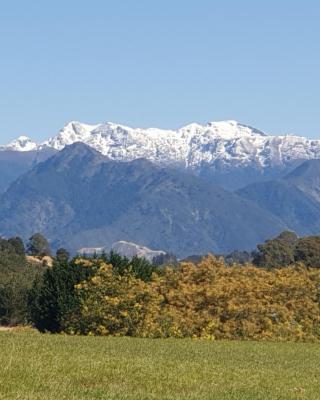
<point x="111" y="304"/>
<point x="214" y="301"/>
<point x="208" y="300"/>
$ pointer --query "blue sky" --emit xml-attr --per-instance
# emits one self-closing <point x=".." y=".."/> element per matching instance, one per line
<point x="159" y="63"/>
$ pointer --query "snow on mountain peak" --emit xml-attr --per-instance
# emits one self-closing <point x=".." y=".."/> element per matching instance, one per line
<point x="222" y="143"/>
<point x="22" y="143"/>
<point x="73" y="132"/>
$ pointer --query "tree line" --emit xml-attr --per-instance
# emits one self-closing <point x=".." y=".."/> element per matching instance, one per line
<point x="277" y="297"/>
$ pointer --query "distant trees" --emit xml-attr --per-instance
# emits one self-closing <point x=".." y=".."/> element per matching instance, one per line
<point x="239" y="257"/>
<point x="38" y="245"/>
<point x="165" y="259"/>
<point x="307" y="251"/>
<point x="62" y="255"/>
<point x="278" y="252"/>
<point x="18" y="245"/>
<point x="11" y="255"/>
<point x="287" y="249"/>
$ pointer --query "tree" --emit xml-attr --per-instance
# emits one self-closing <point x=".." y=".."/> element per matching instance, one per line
<point x="52" y="297"/>
<point x="38" y="246"/>
<point x="288" y="237"/>
<point x="138" y="266"/>
<point x="9" y="257"/>
<point x="62" y="255"/>
<point x="18" y="245"/>
<point x="307" y="251"/>
<point x="238" y="257"/>
<point x="165" y="260"/>
<point x="278" y="252"/>
<point x="141" y="268"/>
<point x="15" y="285"/>
<point x="16" y="279"/>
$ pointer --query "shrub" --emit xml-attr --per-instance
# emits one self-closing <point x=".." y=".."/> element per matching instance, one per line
<point x="112" y="304"/>
<point x="208" y="300"/>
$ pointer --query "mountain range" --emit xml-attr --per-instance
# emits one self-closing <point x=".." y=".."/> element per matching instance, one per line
<point x="228" y="153"/>
<point x="79" y="198"/>
<point x="215" y="187"/>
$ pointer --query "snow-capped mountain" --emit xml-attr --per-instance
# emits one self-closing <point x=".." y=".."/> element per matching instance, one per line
<point x="23" y="143"/>
<point x="216" y="145"/>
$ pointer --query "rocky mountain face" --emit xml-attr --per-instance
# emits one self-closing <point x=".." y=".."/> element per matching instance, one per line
<point x="227" y="153"/>
<point x="298" y="211"/>
<point x="14" y="163"/>
<point x="307" y="178"/>
<point x="80" y="198"/>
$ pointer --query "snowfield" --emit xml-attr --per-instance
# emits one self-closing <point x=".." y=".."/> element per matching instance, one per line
<point x="221" y="143"/>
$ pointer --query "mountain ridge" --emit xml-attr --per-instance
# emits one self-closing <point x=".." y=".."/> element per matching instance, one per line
<point x="80" y="198"/>
<point x="226" y="142"/>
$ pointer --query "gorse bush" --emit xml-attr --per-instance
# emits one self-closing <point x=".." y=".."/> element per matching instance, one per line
<point x="209" y="300"/>
<point x="112" y="304"/>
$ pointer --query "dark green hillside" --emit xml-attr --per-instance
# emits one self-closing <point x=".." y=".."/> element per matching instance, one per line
<point x="307" y="178"/>
<point x="78" y="198"/>
<point x="298" y="211"/>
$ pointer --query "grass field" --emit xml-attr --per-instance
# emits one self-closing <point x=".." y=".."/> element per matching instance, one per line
<point x="44" y="367"/>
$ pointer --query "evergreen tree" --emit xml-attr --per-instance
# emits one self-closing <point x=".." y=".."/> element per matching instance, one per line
<point x="52" y="297"/>
<point x="137" y="266"/>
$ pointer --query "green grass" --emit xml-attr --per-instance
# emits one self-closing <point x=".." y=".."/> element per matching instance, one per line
<point x="44" y="367"/>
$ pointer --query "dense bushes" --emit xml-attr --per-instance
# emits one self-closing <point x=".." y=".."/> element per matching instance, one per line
<point x="112" y="295"/>
<point x="209" y="300"/>
<point x="112" y="304"/>
<point x="53" y="299"/>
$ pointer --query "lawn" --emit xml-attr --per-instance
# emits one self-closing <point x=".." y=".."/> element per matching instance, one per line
<point x="45" y="367"/>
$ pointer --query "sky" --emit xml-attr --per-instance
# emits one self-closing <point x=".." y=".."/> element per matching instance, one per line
<point x="159" y="63"/>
